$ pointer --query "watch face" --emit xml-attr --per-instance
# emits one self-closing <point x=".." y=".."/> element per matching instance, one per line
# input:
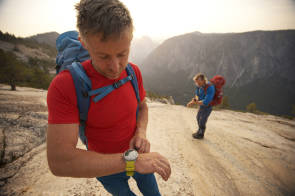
<point x="130" y="155"/>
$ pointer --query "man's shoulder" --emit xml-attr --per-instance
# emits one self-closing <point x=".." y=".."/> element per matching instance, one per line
<point x="136" y="69"/>
<point x="210" y="87"/>
<point x="64" y="76"/>
<point x="62" y="82"/>
<point x="134" y="66"/>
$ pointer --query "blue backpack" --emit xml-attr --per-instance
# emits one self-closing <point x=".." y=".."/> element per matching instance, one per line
<point x="70" y="55"/>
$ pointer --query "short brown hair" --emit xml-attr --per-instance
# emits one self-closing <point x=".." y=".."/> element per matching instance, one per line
<point x="199" y="76"/>
<point x="109" y="17"/>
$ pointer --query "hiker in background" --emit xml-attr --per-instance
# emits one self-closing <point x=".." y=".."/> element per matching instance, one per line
<point x="116" y="124"/>
<point x="207" y="94"/>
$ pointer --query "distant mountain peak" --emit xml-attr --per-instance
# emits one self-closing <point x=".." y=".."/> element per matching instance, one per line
<point x="47" y="38"/>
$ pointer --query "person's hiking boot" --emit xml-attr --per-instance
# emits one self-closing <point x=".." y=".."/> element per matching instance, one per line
<point x="198" y="135"/>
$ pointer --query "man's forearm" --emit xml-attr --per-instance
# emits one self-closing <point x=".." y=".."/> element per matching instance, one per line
<point x="86" y="164"/>
<point x="89" y="164"/>
<point x="142" y="119"/>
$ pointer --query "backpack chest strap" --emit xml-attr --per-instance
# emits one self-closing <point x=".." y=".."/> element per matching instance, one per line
<point x="104" y="91"/>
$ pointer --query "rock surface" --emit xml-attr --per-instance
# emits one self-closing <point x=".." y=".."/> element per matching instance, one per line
<point x="23" y="121"/>
<point x="242" y="154"/>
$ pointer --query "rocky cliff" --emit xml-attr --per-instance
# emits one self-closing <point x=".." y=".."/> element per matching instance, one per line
<point x="141" y="48"/>
<point x="258" y="66"/>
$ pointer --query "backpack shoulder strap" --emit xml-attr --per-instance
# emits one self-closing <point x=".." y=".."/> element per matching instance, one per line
<point x="134" y="82"/>
<point x="206" y="87"/>
<point x="82" y="85"/>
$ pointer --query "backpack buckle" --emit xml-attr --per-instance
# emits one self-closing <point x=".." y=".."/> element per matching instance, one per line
<point x="85" y="93"/>
<point x="117" y="84"/>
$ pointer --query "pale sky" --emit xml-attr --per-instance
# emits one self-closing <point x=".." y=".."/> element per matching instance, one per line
<point x="158" y="19"/>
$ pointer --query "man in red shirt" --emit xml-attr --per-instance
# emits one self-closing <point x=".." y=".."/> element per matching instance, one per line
<point x="112" y="127"/>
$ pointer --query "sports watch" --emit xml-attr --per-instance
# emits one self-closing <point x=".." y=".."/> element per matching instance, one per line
<point x="130" y="157"/>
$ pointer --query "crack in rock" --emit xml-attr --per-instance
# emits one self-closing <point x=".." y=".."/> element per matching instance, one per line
<point x="260" y="144"/>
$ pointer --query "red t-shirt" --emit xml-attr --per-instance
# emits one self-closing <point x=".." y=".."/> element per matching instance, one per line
<point x="111" y="121"/>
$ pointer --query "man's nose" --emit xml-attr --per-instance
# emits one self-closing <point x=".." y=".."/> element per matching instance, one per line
<point x="115" y="64"/>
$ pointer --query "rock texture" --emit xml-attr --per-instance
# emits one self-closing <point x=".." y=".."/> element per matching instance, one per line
<point x="23" y="122"/>
<point x="164" y="100"/>
<point x="242" y="154"/>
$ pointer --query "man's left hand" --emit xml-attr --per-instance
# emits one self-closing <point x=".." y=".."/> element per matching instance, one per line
<point x="140" y="143"/>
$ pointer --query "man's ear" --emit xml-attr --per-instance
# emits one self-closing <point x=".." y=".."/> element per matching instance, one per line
<point x="82" y="42"/>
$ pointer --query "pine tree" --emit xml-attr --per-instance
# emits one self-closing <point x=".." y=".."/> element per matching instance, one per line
<point x="11" y="70"/>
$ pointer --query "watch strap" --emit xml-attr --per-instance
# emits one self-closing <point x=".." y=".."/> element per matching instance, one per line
<point x="130" y="168"/>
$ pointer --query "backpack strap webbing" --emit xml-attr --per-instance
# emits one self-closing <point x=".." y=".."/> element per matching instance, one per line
<point x="134" y="82"/>
<point x="82" y="86"/>
<point x="206" y="87"/>
<point x="104" y="91"/>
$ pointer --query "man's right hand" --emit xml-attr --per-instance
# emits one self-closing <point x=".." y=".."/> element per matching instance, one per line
<point x="190" y="104"/>
<point x="147" y="163"/>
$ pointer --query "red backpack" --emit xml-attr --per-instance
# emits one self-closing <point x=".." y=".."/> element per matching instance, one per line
<point x="218" y="81"/>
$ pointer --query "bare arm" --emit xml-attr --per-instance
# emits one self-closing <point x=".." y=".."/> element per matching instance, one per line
<point x="139" y="141"/>
<point x="142" y="118"/>
<point x="64" y="159"/>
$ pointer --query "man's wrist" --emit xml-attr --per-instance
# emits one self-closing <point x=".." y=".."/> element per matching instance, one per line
<point x="140" y="132"/>
<point x="130" y="156"/>
<point x="138" y="162"/>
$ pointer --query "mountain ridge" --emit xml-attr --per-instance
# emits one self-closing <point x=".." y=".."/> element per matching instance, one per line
<point x="243" y="58"/>
<point x="48" y="38"/>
